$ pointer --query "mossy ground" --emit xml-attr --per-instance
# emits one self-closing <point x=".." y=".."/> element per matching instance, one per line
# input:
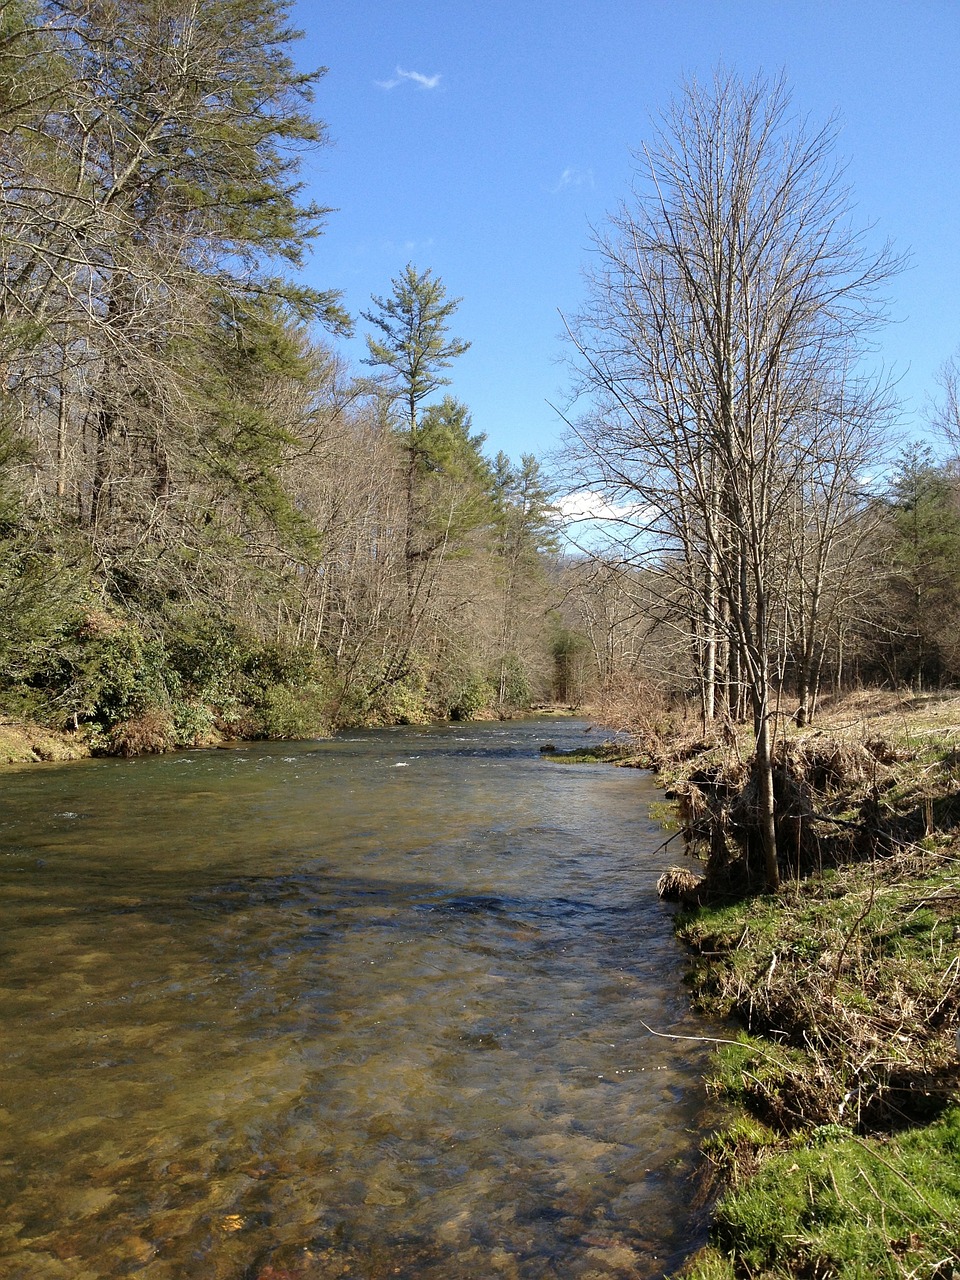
<point x="597" y="753"/>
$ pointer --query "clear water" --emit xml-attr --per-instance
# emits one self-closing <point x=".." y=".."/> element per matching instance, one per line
<point x="367" y="1007"/>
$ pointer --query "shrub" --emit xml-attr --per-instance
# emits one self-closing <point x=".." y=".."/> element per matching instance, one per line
<point x="404" y="701"/>
<point x="291" y="712"/>
<point x="99" y="670"/>
<point x="471" y="693"/>
<point x="150" y="731"/>
<point x="193" y="724"/>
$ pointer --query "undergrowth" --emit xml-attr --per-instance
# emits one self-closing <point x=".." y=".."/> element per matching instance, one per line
<point x="844" y="1156"/>
<point x="834" y="1204"/>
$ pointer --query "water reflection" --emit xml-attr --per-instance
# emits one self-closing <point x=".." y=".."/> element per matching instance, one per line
<point x="295" y="1011"/>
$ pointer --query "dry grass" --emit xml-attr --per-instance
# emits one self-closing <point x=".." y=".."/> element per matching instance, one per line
<point x="855" y="978"/>
<point x="852" y="972"/>
<point x="28" y="743"/>
<point x="866" y="780"/>
<point x="679" y="884"/>
<point x="151" y="732"/>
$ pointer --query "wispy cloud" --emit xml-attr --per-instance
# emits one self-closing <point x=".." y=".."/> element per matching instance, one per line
<point x="573" y="178"/>
<point x="414" y="77"/>
<point x="405" y="247"/>
<point x="588" y="505"/>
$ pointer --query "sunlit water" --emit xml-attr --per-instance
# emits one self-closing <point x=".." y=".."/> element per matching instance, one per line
<point x="368" y="1007"/>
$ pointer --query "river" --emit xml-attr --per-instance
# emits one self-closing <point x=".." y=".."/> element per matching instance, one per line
<point x="366" y="1007"/>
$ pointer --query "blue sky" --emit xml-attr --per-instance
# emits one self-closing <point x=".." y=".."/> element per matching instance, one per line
<point x="483" y="140"/>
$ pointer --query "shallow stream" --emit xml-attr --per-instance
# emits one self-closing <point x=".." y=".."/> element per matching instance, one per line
<point x="370" y="1007"/>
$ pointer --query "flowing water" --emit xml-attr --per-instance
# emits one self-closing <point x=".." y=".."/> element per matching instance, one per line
<point x="367" y="1007"/>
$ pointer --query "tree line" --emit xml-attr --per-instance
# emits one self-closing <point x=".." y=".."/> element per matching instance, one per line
<point x="209" y="522"/>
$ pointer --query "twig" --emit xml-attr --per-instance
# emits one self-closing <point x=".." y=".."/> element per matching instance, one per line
<point x="853" y="929"/>
<point x="737" y="1044"/>
<point x="883" y="1203"/>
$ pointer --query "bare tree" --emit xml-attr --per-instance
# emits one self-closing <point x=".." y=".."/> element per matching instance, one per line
<point x="732" y="297"/>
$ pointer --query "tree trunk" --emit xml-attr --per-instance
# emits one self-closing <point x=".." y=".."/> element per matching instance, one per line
<point x="766" y="803"/>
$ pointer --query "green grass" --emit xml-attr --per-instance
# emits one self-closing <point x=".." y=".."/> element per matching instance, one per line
<point x="836" y="1205"/>
<point x="843" y="1161"/>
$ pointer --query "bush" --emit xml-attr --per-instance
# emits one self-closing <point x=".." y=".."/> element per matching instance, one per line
<point x="243" y="686"/>
<point x="404" y="701"/>
<point x="70" y="663"/>
<point x="193" y="724"/>
<point x="209" y="656"/>
<point x="151" y="731"/>
<point x="98" y="670"/>
<point x="119" y="675"/>
<point x="470" y="694"/>
<point x="288" y="712"/>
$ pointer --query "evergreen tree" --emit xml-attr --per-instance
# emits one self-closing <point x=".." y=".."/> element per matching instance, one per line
<point x="413" y="347"/>
<point x="455" y="480"/>
<point x="154" y="254"/>
<point x="924" y="574"/>
<point x="525" y="531"/>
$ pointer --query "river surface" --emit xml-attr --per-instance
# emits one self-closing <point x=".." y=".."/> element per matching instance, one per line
<point x="366" y="1007"/>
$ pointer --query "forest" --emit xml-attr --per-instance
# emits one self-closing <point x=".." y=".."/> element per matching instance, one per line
<point x="212" y="526"/>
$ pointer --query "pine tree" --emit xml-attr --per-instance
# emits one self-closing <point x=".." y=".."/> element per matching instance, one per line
<point x="414" y="348"/>
<point x="153" y="253"/>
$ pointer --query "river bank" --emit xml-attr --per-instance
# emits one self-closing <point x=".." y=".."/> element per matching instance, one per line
<point x="24" y="742"/>
<point x="843" y="1156"/>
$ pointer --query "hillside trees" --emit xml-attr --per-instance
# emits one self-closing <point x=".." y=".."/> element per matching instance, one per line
<point x="720" y="346"/>
<point x="142" y="239"/>
<point x="193" y="486"/>
<point x="154" y="362"/>
<point x="626" y="626"/>
<point x="412" y="345"/>
<point x="917" y="640"/>
<point x="523" y="531"/>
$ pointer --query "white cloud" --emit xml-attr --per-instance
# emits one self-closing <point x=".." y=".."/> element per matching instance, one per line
<point x="588" y="505"/>
<point x="573" y="178"/>
<point x="425" y="82"/>
<point x="416" y="77"/>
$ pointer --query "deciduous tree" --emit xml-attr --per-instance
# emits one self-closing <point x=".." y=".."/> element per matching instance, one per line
<point x="732" y="300"/>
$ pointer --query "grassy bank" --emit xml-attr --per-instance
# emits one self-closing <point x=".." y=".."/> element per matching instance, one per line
<point x="22" y="743"/>
<point x="843" y="1154"/>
